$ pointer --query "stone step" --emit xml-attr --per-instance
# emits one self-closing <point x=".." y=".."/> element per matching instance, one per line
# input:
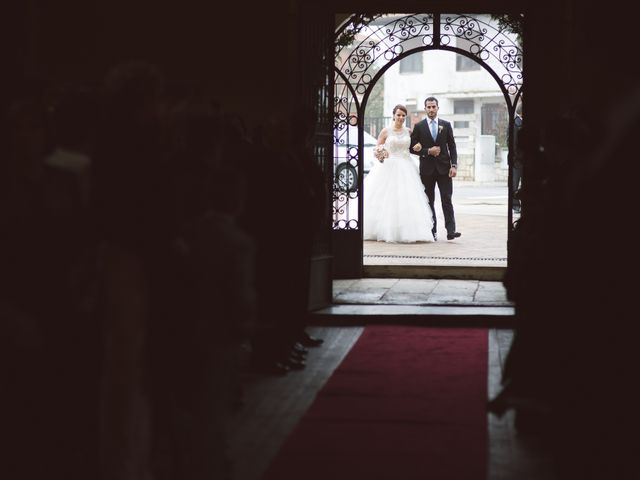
<point x="428" y="315"/>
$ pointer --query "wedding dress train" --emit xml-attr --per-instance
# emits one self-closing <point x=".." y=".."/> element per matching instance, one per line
<point x="396" y="208"/>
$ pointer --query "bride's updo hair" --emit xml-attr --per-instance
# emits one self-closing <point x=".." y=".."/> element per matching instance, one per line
<point x="400" y="107"/>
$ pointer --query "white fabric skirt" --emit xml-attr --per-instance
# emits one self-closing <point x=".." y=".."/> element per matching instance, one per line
<point x="396" y="208"/>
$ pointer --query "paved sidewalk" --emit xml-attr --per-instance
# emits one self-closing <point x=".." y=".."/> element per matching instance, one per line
<point x="481" y="216"/>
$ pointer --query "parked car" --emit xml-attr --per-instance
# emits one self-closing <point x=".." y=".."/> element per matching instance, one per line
<point x="345" y="151"/>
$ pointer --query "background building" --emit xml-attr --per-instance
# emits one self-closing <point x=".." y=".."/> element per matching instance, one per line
<point x="469" y="98"/>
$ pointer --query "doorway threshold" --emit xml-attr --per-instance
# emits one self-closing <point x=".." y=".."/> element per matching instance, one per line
<point x="425" y="301"/>
<point x="425" y="315"/>
<point x="459" y="272"/>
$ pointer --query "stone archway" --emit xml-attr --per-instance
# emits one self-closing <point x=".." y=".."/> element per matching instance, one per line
<point x="365" y="48"/>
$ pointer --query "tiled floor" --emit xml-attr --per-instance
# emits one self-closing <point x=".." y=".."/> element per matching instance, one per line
<point x="398" y="291"/>
<point x="435" y="302"/>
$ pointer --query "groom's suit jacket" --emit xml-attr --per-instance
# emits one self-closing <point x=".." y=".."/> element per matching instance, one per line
<point x="448" y="152"/>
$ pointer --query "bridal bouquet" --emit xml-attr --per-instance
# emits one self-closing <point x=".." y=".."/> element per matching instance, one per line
<point x="380" y="153"/>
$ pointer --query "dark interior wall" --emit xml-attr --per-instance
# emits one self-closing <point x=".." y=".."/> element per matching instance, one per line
<point x="48" y="43"/>
<point x="244" y="55"/>
<point x="248" y="55"/>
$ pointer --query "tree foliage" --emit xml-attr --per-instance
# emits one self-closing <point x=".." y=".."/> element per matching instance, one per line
<point x="357" y="22"/>
<point x="511" y="22"/>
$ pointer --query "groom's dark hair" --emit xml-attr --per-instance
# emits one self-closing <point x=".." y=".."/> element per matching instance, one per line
<point x="431" y="99"/>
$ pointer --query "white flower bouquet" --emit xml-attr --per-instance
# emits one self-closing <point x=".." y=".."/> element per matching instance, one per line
<point x="380" y="153"/>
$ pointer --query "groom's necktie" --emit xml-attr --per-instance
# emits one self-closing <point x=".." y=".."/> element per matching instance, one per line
<point x="434" y="133"/>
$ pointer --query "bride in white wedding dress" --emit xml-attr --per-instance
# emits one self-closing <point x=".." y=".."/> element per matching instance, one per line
<point x="396" y="208"/>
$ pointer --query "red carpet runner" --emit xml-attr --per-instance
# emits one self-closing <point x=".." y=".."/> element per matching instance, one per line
<point x="406" y="403"/>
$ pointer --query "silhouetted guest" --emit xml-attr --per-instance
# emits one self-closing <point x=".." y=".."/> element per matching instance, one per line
<point x="273" y="183"/>
<point x="518" y="166"/>
<point x="44" y="253"/>
<point x="73" y="117"/>
<point x="130" y="185"/>
<point x="309" y="207"/>
<point x="25" y="142"/>
<point x="568" y="373"/>
<point x="24" y="332"/>
<point x="203" y="304"/>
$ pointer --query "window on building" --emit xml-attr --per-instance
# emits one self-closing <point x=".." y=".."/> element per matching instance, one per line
<point x="465" y="64"/>
<point x="460" y="124"/>
<point x="495" y="121"/>
<point x="462" y="106"/>
<point x="411" y="64"/>
<point x="413" y="114"/>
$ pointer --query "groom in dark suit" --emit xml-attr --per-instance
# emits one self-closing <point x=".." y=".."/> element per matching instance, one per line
<point x="432" y="139"/>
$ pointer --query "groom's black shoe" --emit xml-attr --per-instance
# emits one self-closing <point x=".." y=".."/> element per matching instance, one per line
<point x="451" y="236"/>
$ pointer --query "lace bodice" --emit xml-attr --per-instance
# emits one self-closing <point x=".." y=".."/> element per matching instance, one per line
<point x="397" y="143"/>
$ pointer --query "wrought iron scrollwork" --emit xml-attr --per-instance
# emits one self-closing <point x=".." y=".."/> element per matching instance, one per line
<point x="367" y="44"/>
<point x="382" y="43"/>
<point x="487" y="41"/>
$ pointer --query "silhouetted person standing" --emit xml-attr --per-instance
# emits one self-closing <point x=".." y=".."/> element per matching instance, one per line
<point x="50" y="331"/>
<point x="129" y="182"/>
<point x="517" y="159"/>
<point x="569" y="371"/>
<point x="203" y="302"/>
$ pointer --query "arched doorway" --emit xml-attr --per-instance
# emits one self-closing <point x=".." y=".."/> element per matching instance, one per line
<point x="367" y="46"/>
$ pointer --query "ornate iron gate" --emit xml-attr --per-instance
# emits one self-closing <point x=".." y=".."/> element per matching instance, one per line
<point x="365" y="47"/>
